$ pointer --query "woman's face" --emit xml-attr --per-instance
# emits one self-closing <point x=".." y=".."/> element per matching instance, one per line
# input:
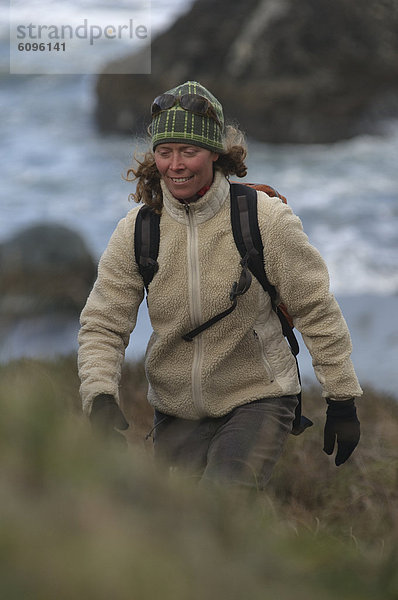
<point x="185" y="169"/>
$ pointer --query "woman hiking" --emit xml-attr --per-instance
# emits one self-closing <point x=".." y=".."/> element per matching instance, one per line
<point x="223" y="383"/>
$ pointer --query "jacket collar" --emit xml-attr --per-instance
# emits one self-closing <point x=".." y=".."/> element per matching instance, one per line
<point x="205" y="207"/>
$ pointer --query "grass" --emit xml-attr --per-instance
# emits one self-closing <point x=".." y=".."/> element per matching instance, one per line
<point x="79" y="519"/>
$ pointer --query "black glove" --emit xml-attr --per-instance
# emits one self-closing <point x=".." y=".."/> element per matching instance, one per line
<point x="341" y="423"/>
<point x="106" y="417"/>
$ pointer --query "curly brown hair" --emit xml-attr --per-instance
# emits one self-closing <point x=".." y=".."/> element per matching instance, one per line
<point x="149" y="191"/>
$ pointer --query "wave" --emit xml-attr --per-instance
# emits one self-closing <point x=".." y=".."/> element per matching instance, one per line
<point x="58" y="168"/>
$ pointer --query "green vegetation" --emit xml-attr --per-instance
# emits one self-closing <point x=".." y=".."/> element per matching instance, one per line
<point x="82" y="520"/>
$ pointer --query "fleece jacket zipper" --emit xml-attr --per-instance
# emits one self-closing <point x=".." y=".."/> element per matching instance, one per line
<point x="195" y="311"/>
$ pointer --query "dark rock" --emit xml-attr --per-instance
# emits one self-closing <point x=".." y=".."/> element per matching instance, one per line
<point x="44" y="269"/>
<point x="287" y="71"/>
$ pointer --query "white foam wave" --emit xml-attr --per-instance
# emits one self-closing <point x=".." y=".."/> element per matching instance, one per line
<point x="57" y="167"/>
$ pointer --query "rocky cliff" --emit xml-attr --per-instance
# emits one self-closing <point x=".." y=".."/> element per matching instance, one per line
<point x="47" y="273"/>
<point x="45" y="268"/>
<point x="287" y="71"/>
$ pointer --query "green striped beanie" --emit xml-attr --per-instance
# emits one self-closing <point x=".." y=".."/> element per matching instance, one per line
<point x="179" y="125"/>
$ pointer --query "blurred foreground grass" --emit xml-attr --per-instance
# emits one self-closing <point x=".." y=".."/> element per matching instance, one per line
<point x="84" y="521"/>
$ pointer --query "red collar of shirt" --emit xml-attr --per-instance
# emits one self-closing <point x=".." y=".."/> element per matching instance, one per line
<point x="203" y="190"/>
<point x="198" y="195"/>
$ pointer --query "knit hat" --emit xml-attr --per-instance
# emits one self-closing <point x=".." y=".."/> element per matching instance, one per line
<point x="179" y="125"/>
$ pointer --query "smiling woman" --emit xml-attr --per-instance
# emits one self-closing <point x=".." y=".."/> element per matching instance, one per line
<point x="186" y="170"/>
<point x="224" y="394"/>
<point x="188" y="137"/>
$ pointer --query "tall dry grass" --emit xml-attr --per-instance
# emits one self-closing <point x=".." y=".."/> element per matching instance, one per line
<point x="79" y="519"/>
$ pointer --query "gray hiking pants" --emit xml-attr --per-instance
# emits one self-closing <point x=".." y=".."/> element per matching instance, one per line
<point x="239" y="449"/>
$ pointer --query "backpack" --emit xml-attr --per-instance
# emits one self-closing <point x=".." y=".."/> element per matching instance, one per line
<point x="247" y="236"/>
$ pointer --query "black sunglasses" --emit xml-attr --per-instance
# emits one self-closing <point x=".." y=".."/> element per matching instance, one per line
<point x="191" y="102"/>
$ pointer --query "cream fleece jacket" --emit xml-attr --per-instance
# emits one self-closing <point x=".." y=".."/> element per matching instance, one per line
<point x="244" y="356"/>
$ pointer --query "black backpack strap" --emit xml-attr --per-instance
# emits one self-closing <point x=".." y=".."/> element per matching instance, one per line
<point x="288" y="332"/>
<point x="239" y="288"/>
<point x="146" y="243"/>
<point x="247" y="236"/>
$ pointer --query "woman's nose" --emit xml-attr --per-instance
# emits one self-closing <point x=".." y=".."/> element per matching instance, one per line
<point x="176" y="162"/>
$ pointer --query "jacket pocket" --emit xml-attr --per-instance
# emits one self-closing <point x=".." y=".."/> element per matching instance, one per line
<point x="264" y="357"/>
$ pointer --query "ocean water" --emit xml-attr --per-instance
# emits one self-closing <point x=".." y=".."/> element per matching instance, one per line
<point x="56" y="167"/>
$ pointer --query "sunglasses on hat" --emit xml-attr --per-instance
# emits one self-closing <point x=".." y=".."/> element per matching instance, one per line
<point x="191" y="102"/>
